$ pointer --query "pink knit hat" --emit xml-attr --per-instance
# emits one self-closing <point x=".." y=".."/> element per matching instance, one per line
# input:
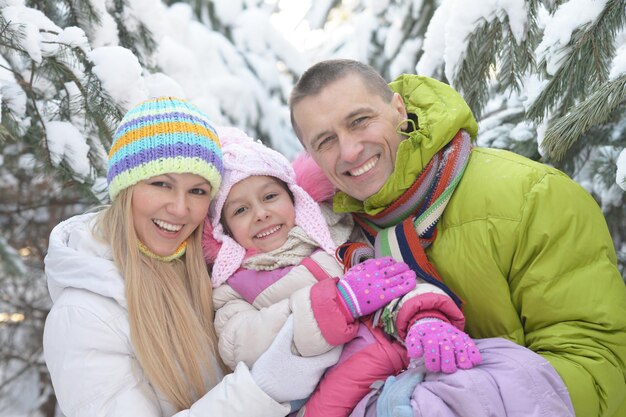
<point x="242" y="158"/>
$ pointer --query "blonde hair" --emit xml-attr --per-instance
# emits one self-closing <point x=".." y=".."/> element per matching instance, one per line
<point x="170" y="309"/>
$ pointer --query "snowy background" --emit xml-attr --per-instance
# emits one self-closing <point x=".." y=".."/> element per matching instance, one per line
<point x="545" y="79"/>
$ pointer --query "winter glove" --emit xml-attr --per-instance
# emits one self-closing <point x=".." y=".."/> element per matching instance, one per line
<point x="370" y="285"/>
<point x="444" y="347"/>
<point x="395" y="398"/>
<point x="285" y="376"/>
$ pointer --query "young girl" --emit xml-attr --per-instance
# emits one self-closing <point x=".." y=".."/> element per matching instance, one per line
<point x="131" y="332"/>
<point x="272" y="253"/>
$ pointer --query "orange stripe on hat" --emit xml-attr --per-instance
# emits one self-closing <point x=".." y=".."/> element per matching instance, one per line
<point x="168" y="127"/>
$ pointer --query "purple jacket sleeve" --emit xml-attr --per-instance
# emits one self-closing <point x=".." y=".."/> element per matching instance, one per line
<point x="511" y="381"/>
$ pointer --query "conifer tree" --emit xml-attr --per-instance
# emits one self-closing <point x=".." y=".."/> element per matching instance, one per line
<point x="47" y="85"/>
<point x="59" y="109"/>
<point x="267" y="59"/>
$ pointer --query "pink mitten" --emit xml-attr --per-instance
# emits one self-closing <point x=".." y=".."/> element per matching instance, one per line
<point x="368" y="286"/>
<point x="444" y="347"/>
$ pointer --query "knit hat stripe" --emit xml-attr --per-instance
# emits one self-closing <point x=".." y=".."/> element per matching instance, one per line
<point x="182" y="107"/>
<point x="176" y="152"/>
<point x="169" y="129"/>
<point x="142" y="120"/>
<point x="161" y="109"/>
<point x="149" y="142"/>
<point x="180" y="165"/>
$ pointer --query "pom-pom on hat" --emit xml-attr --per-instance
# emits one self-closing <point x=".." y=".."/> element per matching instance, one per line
<point x="160" y="136"/>
<point x="245" y="157"/>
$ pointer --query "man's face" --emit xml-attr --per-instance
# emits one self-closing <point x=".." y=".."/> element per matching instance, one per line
<point x="352" y="134"/>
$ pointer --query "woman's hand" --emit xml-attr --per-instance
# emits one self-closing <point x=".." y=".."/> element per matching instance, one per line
<point x="286" y="376"/>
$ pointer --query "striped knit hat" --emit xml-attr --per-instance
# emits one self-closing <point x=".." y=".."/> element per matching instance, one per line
<point x="163" y="135"/>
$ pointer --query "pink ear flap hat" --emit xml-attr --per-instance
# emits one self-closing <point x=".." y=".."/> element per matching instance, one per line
<point x="244" y="157"/>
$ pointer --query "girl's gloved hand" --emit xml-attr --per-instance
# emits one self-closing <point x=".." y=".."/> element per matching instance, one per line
<point x="286" y="376"/>
<point x="370" y="285"/>
<point x="444" y="347"/>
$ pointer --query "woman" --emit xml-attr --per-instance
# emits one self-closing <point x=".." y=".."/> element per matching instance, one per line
<point x="131" y="329"/>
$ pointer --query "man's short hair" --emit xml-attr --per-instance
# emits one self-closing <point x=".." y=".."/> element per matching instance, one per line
<point x="320" y="75"/>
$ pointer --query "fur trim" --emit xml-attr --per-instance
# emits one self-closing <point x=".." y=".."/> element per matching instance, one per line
<point x="210" y="246"/>
<point x="312" y="179"/>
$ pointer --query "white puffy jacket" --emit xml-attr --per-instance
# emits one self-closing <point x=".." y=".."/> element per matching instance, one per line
<point x="87" y="342"/>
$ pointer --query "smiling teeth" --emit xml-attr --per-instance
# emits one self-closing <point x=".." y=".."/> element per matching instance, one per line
<point x="362" y="170"/>
<point x="269" y="232"/>
<point x="168" y="226"/>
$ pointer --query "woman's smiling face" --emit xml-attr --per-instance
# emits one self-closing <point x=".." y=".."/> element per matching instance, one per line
<point x="168" y="208"/>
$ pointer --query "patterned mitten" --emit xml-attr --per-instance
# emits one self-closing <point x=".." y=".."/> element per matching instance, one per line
<point x="368" y="286"/>
<point x="444" y="347"/>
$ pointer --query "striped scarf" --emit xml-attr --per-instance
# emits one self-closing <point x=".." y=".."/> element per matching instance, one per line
<point x="408" y="226"/>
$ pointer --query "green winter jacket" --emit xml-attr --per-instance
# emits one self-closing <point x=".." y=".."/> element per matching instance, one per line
<point x="525" y="247"/>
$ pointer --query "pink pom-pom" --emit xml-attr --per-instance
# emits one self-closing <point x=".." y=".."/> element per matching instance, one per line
<point x="312" y="179"/>
<point x="210" y="246"/>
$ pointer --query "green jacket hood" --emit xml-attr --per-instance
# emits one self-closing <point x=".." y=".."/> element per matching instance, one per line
<point x="441" y="112"/>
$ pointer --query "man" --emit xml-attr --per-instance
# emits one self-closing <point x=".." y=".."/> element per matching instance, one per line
<point x="525" y="247"/>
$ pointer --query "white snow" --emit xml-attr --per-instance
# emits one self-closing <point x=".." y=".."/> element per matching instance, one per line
<point x="448" y="31"/>
<point x="119" y="72"/>
<point x="618" y="66"/>
<point x="66" y="143"/>
<point x="74" y="37"/>
<point x="35" y="26"/>
<point x="559" y="27"/>
<point x="228" y="11"/>
<point x="620" y="175"/>
<point x="103" y="33"/>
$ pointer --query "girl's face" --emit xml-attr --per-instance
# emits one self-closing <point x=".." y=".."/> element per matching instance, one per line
<point x="168" y="208"/>
<point x="259" y="213"/>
